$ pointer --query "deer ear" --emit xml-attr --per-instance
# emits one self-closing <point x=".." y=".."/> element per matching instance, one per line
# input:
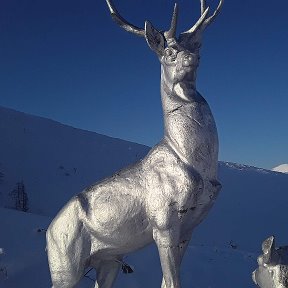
<point x="154" y="39"/>
<point x="269" y="251"/>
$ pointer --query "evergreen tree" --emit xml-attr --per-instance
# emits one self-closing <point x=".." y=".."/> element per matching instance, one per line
<point x="20" y="197"/>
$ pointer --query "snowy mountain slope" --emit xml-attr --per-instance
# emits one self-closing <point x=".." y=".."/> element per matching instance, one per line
<point x="281" y="168"/>
<point x="55" y="161"/>
<point x="24" y="259"/>
<point x="251" y="206"/>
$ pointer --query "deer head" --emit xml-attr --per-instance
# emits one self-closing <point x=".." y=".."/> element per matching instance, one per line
<point x="179" y="56"/>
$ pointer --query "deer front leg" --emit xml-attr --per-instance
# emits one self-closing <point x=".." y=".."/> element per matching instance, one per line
<point x="184" y="242"/>
<point x="167" y="242"/>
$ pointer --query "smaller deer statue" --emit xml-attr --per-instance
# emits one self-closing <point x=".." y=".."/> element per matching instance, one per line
<point x="273" y="266"/>
<point x="161" y="198"/>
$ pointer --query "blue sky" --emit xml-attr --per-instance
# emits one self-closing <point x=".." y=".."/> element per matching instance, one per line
<point x="68" y="61"/>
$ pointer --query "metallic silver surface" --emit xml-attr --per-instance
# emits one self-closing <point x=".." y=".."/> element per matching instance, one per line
<point x="273" y="266"/>
<point x="161" y="198"/>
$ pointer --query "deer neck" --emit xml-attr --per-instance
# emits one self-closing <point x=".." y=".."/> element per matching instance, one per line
<point x="189" y="127"/>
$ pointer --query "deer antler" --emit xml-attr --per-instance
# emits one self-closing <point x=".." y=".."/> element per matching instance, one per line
<point x="209" y="20"/>
<point x="169" y="35"/>
<point x="191" y="39"/>
<point x="203" y="22"/>
<point x="122" y="22"/>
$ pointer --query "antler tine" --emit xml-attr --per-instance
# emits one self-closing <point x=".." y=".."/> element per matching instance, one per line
<point x="213" y="16"/>
<point x="203" y="22"/>
<point x="198" y="23"/>
<point x="171" y="33"/>
<point x="203" y="6"/>
<point x="122" y="22"/>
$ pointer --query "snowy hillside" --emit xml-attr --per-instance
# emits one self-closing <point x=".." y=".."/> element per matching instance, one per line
<point x="281" y="168"/>
<point x="56" y="161"/>
<point x="252" y="205"/>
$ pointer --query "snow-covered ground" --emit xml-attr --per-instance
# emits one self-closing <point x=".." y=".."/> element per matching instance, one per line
<point x="281" y="168"/>
<point x="55" y="161"/>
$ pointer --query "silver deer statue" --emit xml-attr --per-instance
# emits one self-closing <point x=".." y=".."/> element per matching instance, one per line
<point x="273" y="266"/>
<point x="162" y="197"/>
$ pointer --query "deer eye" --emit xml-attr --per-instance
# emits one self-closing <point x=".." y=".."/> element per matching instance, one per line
<point x="170" y="55"/>
<point x="170" y="52"/>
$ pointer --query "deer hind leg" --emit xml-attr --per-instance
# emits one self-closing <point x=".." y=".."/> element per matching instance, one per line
<point x="107" y="271"/>
<point x="67" y="266"/>
<point x="68" y="247"/>
<point x="65" y="271"/>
